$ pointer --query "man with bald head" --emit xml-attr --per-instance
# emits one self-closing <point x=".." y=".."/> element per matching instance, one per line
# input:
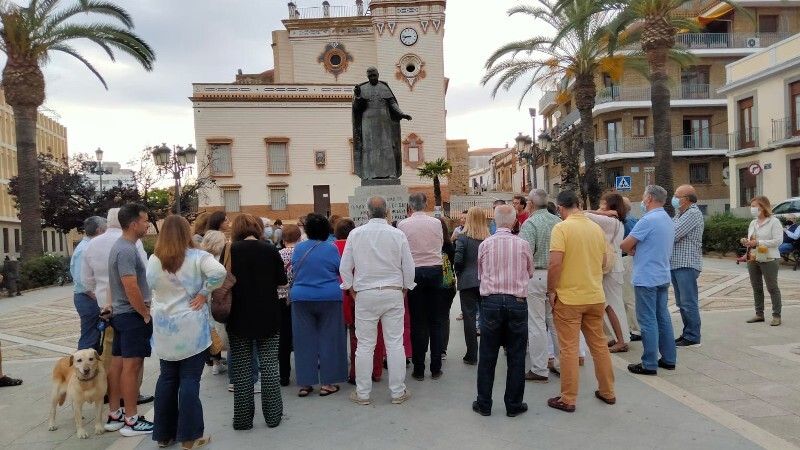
<point x="505" y="264"/>
<point x="687" y="262"/>
<point x="378" y="269"/>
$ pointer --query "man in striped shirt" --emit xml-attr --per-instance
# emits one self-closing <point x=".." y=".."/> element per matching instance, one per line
<point x="505" y="264"/>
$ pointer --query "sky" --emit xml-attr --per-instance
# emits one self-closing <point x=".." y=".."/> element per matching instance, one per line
<point x="209" y="40"/>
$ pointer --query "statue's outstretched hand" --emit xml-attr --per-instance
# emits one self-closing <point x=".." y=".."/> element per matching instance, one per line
<point x="357" y="91"/>
<point x="407" y="117"/>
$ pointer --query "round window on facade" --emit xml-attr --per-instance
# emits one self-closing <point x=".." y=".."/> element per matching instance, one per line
<point x="410" y="65"/>
<point x="335" y="60"/>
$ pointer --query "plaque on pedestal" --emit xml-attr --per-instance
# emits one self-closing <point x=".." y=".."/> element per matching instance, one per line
<point x="396" y="202"/>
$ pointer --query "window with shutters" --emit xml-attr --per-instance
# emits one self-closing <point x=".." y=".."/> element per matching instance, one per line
<point x="5" y="241"/>
<point x="768" y="23"/>
<point x="221" y="158"/>
<point x="17" y="244"/>
<point x="230" y="199"/>
<point x="44" y="241"/>
<point x="278" y="199"/>
<point x="639" y="127"/>
<point x="277" y="156"/>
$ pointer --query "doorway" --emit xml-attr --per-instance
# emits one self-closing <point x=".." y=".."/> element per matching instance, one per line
<point x="322" y="200"/>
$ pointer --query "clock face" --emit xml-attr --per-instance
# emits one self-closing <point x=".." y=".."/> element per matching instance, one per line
<point x="409" y="36"/>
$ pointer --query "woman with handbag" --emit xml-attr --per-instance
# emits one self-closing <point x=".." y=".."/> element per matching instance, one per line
<point x="290" y="236"/>
<point x="254" y="319"/>
<point x="181" y="279"/>
<point x="476" y="230"/>
<point x="320" y="348"/>
<point x="448" y="290"/>
<point x="611" y="218"/>
<point x="214" y="242"/>
<point x="764" y="236"/>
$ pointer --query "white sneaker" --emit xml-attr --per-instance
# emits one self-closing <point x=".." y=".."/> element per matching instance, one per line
<point x="230" y="388"/>
<point x="139" y="427"/>
<point x="218" y="369"/>
<point x="113" y="424"/>
<point x="399" y="400"/>
<point x="257" y="388"/>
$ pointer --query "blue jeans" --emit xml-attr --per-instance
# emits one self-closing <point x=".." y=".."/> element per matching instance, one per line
<point x="656" y="325"/>
<point x="89" y="313"/>
<point x="684" y="282"/>
<point x="425" y="306"/>
<point x="504" y="323"/>
<point x="785" y="248"/>
<point x="178" y="410"/>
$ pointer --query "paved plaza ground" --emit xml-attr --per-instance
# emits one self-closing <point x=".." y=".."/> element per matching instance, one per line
<point x="740" y="390"/>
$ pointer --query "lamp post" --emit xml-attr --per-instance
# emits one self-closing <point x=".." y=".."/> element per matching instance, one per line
<point x="534" y="146"/>
<point x="99" y="170"/>
<point x="175" y="161"/>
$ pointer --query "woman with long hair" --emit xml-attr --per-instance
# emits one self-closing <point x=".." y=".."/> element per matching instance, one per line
<point x="611" y="218"/>
<point x="218" y="221"/>
<point x="254" y="321"/>
<point x="764" y="235"/>
<point x="476" y="229"/>
<point x="199" y="227"/>
<point x="181" y="279"/>
<point x="320" y="349"/>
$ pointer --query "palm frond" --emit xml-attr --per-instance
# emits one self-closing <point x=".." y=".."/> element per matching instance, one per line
<point x="514" y="48"/>
<point x="117" y="37"/>
<point x="90" y="6"/>
<point x="74" y="53"/>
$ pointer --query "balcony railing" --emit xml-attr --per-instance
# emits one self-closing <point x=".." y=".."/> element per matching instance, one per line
<point x="623" y="93"/>
<point x="324" y="12"/>
<point x="744" y="139"/>
<point x="728" y="40"/>
<point x="783" y="129"/>
<point x="548" y="97"/>
<point x="647" y="144"/>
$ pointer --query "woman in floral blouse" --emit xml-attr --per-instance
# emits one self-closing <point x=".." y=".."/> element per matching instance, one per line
<point x="181" y="279"/>
<point x="291" y="236"/>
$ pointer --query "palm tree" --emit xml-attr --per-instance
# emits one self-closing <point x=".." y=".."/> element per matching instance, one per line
<point x="30" y="35"/>
<point x="579" y="51"/>
<point x="436" y="169"/>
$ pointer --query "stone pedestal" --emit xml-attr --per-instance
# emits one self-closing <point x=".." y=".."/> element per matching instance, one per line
<point x="396" y="202"/>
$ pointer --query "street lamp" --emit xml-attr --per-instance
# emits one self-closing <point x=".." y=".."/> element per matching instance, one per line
<point x="98" y="169"/>
<point x="534" y="147"/>
<point x="175" y="161"/>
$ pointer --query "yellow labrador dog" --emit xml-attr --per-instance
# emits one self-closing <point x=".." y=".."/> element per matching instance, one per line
<point x="82" y="378"/>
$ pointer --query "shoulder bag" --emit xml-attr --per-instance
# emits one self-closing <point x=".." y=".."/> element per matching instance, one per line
<point x="611" y="252"/>
<point x="296" y="269"/>
<point x="222" y="297"/>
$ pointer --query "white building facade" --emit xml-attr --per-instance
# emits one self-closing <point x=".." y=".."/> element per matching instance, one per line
<point x="281" y="141"/>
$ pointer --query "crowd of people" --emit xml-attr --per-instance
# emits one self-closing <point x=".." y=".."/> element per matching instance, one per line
<point x="545" y="280"/>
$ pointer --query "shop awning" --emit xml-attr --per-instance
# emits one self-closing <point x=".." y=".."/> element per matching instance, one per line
<point x="717" y="11"/>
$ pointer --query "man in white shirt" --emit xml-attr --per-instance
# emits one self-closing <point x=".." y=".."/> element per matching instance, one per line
<point x="378" y="269"/>
<point x="94" y="275"/>
<point x="425" y="302"/>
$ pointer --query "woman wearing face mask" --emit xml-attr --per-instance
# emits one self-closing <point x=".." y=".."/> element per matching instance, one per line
<point x="764" y="235"/>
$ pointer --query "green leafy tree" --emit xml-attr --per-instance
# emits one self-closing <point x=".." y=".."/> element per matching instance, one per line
<point x="29" y="35"/>
<point x="65" y="194"/>
<point x="578" y="51"/>
<point x="435" y="169"/>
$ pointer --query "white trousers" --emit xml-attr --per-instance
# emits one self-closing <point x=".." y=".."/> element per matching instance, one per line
<point x="613" y="289"/>
<point x="540" y="324"/>
<point x="628" y="295"/>
<point x="387" y="307"/>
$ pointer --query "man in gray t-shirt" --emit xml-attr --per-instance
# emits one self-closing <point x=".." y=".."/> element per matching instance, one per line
<point x="133" y="327"/>
<point x="124" y="261"/>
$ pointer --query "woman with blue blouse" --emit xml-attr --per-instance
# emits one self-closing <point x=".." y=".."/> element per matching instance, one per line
<point x="320" y="349"/>
<point x="181" y="279"/>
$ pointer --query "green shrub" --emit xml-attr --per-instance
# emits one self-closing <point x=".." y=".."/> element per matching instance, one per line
<point x="723" y="232"/>
<point x="149" y="243"/>
<point x="41" y="271"/>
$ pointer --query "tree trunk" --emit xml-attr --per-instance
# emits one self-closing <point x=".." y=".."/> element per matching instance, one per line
<point x="30" y="212"/>
<point x="662" y="128"/>
<point x="585" y="91"/>
<point x="437" y="191"/>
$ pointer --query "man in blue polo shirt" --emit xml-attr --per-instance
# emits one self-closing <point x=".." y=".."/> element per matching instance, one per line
<point x="650" y="242"/>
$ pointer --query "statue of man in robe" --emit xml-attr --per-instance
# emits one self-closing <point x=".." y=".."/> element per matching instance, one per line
<point x="377" y="157"/>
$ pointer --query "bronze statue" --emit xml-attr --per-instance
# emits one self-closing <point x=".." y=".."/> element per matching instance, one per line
<point x="377" y="158"/>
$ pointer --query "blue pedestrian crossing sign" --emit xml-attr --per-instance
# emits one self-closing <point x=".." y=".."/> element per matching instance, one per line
<point x="623" y="184"/>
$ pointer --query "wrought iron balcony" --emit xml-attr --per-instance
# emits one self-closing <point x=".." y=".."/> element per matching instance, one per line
<point x="688" y="91"/>
<point x="548" y="98"/>
<point x="728" y="40"/>
<point x="783" y="129"/>
<point x="744" y="139"/>
<point x="647" y="144"/>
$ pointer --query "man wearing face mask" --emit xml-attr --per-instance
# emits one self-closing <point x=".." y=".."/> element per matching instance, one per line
<point x="651" y="242"/>
<point x="687" y="262"/>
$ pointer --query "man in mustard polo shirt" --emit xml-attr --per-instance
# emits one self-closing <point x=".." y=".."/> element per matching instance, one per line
<point x="575" y="290"/>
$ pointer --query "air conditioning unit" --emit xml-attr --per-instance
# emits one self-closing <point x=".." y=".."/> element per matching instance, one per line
<point x="752" y="42"/>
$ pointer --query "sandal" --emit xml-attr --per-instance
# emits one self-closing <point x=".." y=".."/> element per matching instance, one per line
<point x="619" y="349"/>
<point x="165" y="444"/>
<point x="197" y="443"/>
<point x="304" y="391"/>
<point x="324" y="392"/>
<point x="556" y="403"/>
<point x="7" y="381"/>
